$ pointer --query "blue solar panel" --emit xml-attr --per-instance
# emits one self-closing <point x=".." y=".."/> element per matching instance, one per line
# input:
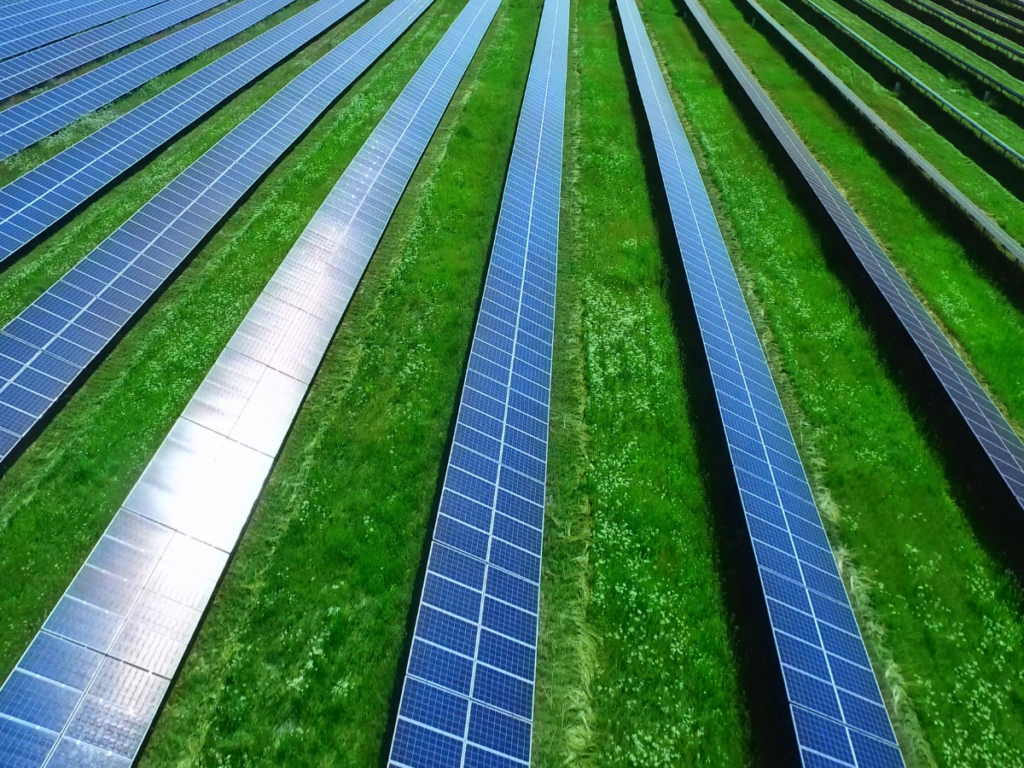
<point x="45" y="348"/>
<point x="467" y="695"/>
<point x="835" y="702"/>
<point x="30" y="29"/>
<point x="39" y="65"/>
<point x="995" y="437"/>
<point x="33" y="119"/>
<point x="34" y="202"/>
<point x="87" y="689"/>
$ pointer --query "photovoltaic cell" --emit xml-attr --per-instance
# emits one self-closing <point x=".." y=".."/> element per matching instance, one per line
<point x="29" y="30"/>
<point x="29" y="121"/>
<point x="982" y="417"/>
<point x="34" y="202"/>
<point x="39" y="65"/>
<point x="842" y="718"/>
<point x="93" y="679"/>
<point x="467" y="695"/>
<point x="45" y="348"/>
<point x="991" y="230"/>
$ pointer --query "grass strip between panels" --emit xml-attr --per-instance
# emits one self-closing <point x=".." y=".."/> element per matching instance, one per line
<point x="635" y="666"/>
<point x="58" y="497"/>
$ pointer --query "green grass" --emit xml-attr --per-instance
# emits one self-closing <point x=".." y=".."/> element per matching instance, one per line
<point x="975" y="313"/>
<point x="950" y="44"/>
<point x="981" y="188"/>
<point x="942" y="619"/>
<point x="635" y="666"/>
<point x="297" y="661"/>
<point x="79" y="470"/>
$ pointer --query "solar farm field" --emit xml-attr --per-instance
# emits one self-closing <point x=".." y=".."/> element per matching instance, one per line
<point x="431" y="383"/>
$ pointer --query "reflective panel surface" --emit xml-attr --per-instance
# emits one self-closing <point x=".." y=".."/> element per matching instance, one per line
<point x="39" y="65"/>
<point x="86" y="691"/>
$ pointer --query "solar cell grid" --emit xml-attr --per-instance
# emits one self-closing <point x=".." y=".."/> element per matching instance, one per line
<point x="835" y="703"/>
<point x="47" y="346"/>
<point x="467" y="696"/>
<point x="41" y="64"/>
<point x="33" y="28"/>
<point x="980" y="414"/>
<point x="120" y="630"/>
<point x="32" y="203"/>
<point x="31" y="120"/>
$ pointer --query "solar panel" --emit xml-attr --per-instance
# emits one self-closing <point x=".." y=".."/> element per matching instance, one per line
<point x="837" y="711"/>
<point x="88" y="687"/>
<point x="32" y="29"/>
<point x="46" y="348"/>
<point x="41" y="64"/>
<point x="467" y="695"/>
<point x="36" y="201"/>
<point x="977" y="216"/>
<point x="26" y="123"/>
<point x="982" y="417"/>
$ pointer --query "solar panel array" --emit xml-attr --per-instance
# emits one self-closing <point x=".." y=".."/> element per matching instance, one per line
<point x="88" y="688"/>
<point x="45" y="349"/>
<point x="26" y="123"/>
<point x="980" y="219"/>
<point x="985" y="16"/>
<point x="32" y="28"/>
<point x="889" y="23"/>
<point x="838" y="714"/>
<point x="41" y="64"/>
<point x="34" y="202"/>
<point x="468" y="691"/>
<point x="1008" y="55"/>
<point x="982" y="417"/>
<point x="987" y="137"/>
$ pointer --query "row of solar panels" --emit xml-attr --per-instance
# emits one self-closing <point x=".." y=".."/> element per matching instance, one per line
<point x="467" y="697"/>
<point x="90" y="684"/>
<point x="971" y="212"/>
<point x="22" y="72"/>
<point x="1007" y="173"/>
<point x="473" y="670"/>
<point x="30" y="28"/>
<point x="991" y="47"/>
<point x="888" y="24"/>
